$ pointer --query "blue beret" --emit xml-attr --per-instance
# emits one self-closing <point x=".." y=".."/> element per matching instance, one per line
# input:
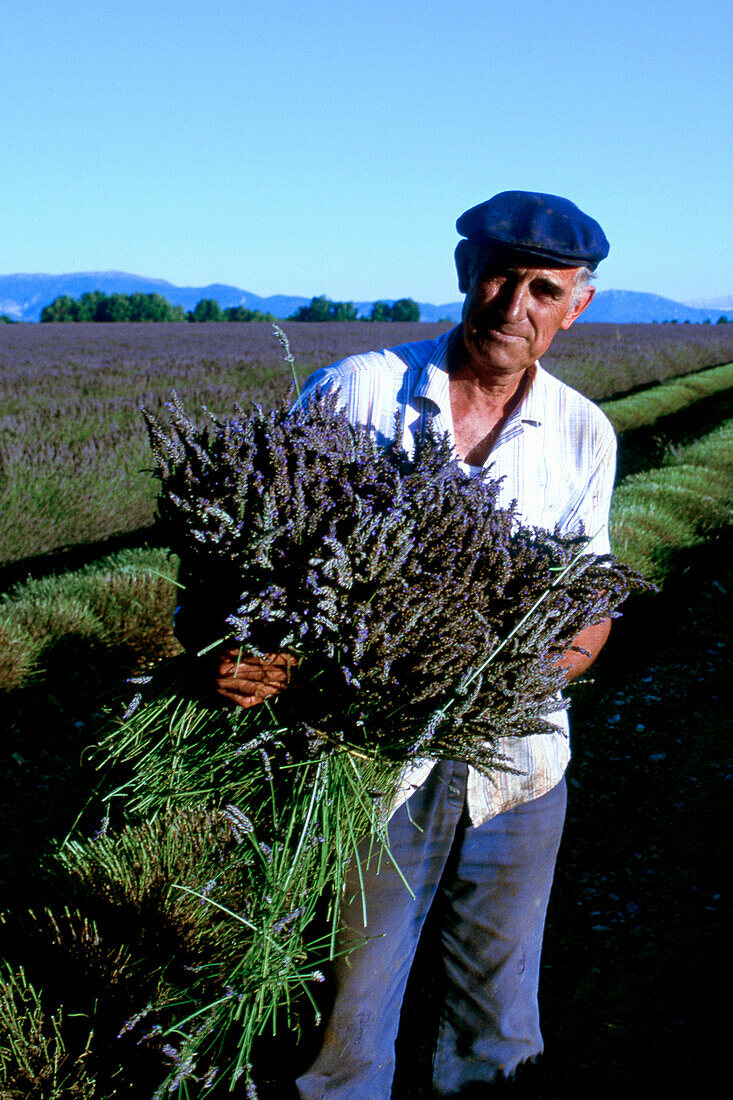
<point x="544" y="226"/>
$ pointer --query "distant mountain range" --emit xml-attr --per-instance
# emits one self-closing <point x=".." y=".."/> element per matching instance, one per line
<point x="625" y="306"/>
<point x="713" y="303"/>
<point x="22" y="297"/>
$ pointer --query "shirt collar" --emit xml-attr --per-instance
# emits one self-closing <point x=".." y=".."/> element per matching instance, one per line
<point x="530" y="410"/>
<point x="433" y="382"/>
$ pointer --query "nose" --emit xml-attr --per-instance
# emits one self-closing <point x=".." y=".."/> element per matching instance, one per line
<point x="514" y="301"/>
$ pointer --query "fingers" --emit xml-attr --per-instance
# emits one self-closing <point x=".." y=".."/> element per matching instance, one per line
<point x="245" y="692"/>
<point x="247" y="680"/>
<point x="242" y="696"/>
<point x="272" y="666"/>
<point x="245" y="686"/>
<point x="253" y="674"/>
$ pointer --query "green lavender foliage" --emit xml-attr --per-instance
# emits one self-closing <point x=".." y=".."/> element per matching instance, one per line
<point x="125" y="600"/>
<point x="34" y="1061"/>
<point x="251" y="953"/>
<point x="651" y="405"/>
<point x="392" y="577"/>
<point x="659" y="513"/>
<point x="146" y="927"/>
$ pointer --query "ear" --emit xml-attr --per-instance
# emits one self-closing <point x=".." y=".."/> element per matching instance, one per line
<point x="461" y="258"/>
<point x="577" y="309"/>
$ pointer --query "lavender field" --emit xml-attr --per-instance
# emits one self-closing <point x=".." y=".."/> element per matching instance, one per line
<point x="641" y="867"/>
<point x="74" y="456"/>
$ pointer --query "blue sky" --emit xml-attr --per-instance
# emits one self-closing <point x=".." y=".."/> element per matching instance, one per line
<point x="321" y="147"/>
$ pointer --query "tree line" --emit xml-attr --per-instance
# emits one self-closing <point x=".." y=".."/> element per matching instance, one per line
<point x="323" y="309"/>
<point x="95" y="305"/>
<point x="722" y="320"/>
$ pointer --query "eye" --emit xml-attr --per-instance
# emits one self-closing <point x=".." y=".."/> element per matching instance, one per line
<point x="492" y="275"/>
<point x="548" y="290"/>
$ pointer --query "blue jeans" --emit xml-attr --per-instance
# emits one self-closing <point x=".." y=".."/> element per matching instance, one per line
<point x="492" y="884"/>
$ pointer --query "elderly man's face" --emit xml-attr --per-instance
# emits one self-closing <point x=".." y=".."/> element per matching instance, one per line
<point x="512" y="313"/>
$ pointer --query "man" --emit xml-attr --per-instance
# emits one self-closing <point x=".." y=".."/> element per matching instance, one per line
<point x="483" y="851"/>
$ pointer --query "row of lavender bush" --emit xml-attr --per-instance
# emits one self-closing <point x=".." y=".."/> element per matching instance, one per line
<point x="74" y="457"/>
<point x="127" y="599"/>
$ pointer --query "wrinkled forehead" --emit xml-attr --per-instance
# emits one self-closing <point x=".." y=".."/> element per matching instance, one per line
<point x="476" y="256"/>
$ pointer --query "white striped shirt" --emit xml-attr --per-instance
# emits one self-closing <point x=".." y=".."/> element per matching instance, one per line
<point x="556" y="453"/>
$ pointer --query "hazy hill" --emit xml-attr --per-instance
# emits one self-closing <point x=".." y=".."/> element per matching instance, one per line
<point x="625" y="306"/>
<point x="713" y="303"/>
<point x="22" y="297"/>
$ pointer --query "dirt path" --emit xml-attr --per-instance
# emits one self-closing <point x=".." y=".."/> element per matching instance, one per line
<point x="635" y="947"/>
<point x="635" y="943"/>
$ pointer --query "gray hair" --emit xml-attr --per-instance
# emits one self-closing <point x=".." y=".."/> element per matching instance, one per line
<point x="582" y="282"/>
<point x="472" y="257"/>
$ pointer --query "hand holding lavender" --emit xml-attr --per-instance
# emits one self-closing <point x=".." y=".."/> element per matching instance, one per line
<point x="246" y="679"/>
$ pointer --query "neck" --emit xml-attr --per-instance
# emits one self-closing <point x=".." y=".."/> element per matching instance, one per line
<point x="490" y="387"/>
<point x="481" y="403"/>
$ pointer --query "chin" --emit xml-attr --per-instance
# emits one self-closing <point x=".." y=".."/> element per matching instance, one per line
<point x="495" y="355"/>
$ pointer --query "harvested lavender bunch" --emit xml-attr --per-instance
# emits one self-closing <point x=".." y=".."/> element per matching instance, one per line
<point x="394" y="578"/>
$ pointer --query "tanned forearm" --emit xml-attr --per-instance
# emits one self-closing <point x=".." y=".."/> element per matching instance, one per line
<point x="592" y="639"/>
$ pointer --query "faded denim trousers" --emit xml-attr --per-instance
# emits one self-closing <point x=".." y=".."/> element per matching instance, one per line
<point x="492" y="884"/>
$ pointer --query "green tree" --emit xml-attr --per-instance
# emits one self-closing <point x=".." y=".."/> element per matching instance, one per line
<point x="318" y="310"/>
<point x="323" y="309"/>
<point x="405" y="309"/>
<point x="95" y="305"/>
<point x="63" y="308"/>
<point x="208" y="309"/>
<point x="153" y="307"/>
<point x="240" y="313"/>
<point x="344" y="311"/>
<point x="5" y="320"/>
<point x="381" y="311"/>
<point x="722" y="320"/>
<point x="114" y="307"/>
<point x="88" y="304"/>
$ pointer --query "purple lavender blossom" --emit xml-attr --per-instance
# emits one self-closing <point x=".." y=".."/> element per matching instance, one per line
<point x="393" y="577"/>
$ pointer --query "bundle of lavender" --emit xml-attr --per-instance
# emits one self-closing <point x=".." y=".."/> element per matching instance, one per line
<point x="427" y="621"/>
<point x="392" y="578"/>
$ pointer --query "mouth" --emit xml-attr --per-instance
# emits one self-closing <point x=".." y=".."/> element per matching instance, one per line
<point x="502" y="337"/>
<point x="488" y="331"/>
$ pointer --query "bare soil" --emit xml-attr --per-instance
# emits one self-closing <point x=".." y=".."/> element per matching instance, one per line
<point x="633" y="975"/>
